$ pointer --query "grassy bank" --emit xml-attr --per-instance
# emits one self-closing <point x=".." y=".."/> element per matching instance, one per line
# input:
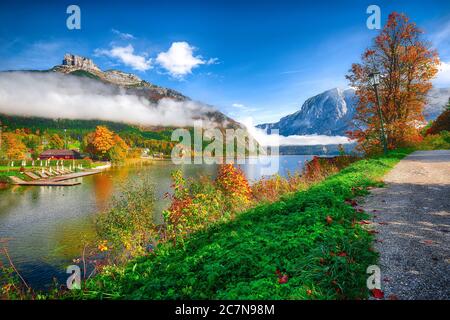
<point x="305" y="246"/>
<point x="6" y="170"/>
<point x="5" y="174"/>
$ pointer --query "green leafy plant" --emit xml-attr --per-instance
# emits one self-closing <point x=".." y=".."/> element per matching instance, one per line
<point x="127" y="228"/>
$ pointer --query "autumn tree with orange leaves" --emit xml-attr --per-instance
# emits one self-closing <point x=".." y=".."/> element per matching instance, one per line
<point x="105" y="144"/>
<point x="407" y="64"/>
<point x="12" y="147"/>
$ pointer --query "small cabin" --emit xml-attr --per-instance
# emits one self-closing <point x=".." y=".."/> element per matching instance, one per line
<point x="59" y="154"/>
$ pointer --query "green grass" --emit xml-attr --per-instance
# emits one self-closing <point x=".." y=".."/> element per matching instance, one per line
<point x="4" y="174"/>
<point x="8" y="168"/>
<point x="7" y="171"/>
<point x="440" y="141"/>
<point x="238" y="259"/>
<point x="97" y="164"/>
<point x="83" y="73"/>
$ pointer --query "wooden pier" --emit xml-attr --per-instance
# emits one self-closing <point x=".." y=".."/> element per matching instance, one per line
<point x="53" y="181"/>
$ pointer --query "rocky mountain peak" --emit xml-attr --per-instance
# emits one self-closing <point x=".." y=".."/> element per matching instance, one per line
<point x="123" y="78"/>
<point x="78" y="62"/>
<point x="327" y="113"/>
<point x="72" y="63"/>
<point x="331" y="113"/>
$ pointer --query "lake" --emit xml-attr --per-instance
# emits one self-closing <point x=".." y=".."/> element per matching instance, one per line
<point x="45" y="226"/>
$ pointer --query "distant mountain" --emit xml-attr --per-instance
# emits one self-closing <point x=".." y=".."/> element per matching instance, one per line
<point x="328" y="113"/>
<point x="84" y="67"/>
<point x="437" y="100"/>
<point x="331" y="112"/>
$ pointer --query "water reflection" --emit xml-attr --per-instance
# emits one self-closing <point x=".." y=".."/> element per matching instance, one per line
<point x="103" y="189"/>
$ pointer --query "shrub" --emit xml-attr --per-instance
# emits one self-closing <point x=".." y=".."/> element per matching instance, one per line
<point x="435" y="141"/>
<point x="127" y="228"/>
<point x="10" y="286"/>
<point x="442" y="123"/>
<point x="233" y="183"/>
<point x="194" y="206"/>
<point x="271" y="189"/>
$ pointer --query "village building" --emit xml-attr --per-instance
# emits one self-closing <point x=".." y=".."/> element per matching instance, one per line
<point x="62" y="154"/>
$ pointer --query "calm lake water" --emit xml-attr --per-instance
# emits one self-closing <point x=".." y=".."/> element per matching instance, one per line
<point x="45" y="226"/>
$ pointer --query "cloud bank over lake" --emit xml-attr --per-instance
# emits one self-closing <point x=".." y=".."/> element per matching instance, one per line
<point x="273" y="139"/>
<point x="53" y="95"/>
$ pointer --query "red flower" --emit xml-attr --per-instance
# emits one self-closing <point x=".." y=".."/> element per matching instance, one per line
<point x="283" y="279"/>
<point x="329" y="220"/>
<point x="377" y="293"/>
<point x="342" y="254"/>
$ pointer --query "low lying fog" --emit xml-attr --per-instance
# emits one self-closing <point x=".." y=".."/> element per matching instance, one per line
<point x="54" y="95"/>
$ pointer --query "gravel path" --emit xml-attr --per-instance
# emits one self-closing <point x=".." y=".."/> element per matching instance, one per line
<point x="412" y="217"/>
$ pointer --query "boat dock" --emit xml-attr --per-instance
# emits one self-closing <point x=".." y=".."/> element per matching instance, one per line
<point x="53" y="181"/>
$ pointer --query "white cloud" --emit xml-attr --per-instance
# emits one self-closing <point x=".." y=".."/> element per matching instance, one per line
<point x="295" y="140"/>
<point x="123" y="35"/>
<point x="292" y="71"/>
<point x="212" y="61"/>
<point x="312" y="139"/>
<point x="126" y="56"/>
<point x="54" y="95"/>
<point x="238" y="105"/>
<point x="443" y="77"/>
<point x="442" y="35"/>
<point x="179" y="60"/>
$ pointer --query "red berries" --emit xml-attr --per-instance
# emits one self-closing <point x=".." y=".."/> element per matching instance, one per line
<point x="377" y="293"/>
<point x="282" y="278"/>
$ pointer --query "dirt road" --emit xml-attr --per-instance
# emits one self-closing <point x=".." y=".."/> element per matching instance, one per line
<point x="412" y="216"/>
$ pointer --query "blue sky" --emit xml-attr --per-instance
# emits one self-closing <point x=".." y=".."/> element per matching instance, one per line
<point x="259" y="58"/>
